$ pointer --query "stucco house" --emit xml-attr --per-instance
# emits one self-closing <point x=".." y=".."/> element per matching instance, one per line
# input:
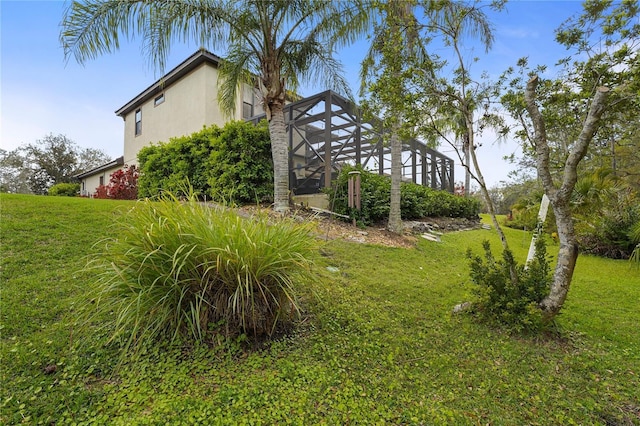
<point x="180" y="103"/>
<point x="93" y="178"/>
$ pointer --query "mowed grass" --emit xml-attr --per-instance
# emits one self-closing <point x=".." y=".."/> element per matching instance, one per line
<point x="378" y="344"/>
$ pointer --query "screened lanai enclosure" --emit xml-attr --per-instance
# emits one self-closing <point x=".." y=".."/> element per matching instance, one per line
<point x="326" y="131"/>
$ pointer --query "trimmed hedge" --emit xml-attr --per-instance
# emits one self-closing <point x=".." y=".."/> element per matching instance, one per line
<point x="232" y="163"/>
<point x="64" y="189"/>
<point x="417" y="201"/>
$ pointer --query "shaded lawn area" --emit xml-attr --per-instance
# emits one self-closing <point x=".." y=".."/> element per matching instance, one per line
<point x="378" y="344"/>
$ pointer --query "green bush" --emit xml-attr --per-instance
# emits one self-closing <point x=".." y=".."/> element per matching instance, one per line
<point x="64" y="189"/>
<point x="232" y="163"/>
<point x="185" y="271"/>
<point x="499" y="299"/>
<point x="417" y="201"/>
<point x="240" y="166"/>
<point x="167" y="166"/>
<point x="609" y="232"/>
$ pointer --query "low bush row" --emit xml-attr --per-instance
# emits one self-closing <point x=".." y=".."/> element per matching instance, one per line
<point x="417" y="201"/>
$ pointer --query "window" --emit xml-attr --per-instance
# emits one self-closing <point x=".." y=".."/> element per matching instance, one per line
<point x="158" y="100"/>
<point x="247" y="110"/>
<point x="101" y="180"/>
<point x="138" y="121"/>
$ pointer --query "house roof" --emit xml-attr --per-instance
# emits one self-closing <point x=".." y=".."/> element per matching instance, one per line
<point x="186" y="66"/>
<point x="112" y="164"/>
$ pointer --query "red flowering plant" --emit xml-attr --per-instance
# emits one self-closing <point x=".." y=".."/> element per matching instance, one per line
<point x="123" y="185"/>
<point x="101" y="192"/>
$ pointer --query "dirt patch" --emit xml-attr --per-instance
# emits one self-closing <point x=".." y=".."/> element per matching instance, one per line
<point x="334" y="229"/>
<point x="330" y="227"/>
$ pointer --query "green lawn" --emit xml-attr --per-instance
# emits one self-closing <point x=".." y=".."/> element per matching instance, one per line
<point x="378" y="346"/>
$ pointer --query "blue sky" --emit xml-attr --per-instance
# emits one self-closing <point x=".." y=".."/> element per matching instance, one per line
<point x="41" y="94"/>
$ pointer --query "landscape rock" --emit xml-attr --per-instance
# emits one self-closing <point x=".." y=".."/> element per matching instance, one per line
<point x="462" y="307"/>
<point x="442" y="224"/>
<point x="431" y="237"/>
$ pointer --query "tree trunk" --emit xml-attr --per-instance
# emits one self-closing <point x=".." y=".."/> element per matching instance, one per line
<point x="467" y="173"/>
<point x="567" y="257"/>
<point x="279" y="153"/>
<point x="483" y="186"/>
<point x="395" y="219"/>
<point x="559" y="198"/>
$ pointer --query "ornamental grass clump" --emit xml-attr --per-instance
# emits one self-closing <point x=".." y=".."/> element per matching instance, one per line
<point x="188" y="272"/>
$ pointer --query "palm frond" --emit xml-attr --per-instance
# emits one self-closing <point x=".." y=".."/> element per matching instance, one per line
<point x="94" y="27"/>
<point x="235" y="71"/>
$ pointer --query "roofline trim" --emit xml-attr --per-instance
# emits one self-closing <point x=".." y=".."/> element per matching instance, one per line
<point x="199" y="57"/>
<point x="117" y="162"/>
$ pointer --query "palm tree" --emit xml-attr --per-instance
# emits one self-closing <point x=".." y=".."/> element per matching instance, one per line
<point x="390" y="63"/>
<point x="274" y="45"/>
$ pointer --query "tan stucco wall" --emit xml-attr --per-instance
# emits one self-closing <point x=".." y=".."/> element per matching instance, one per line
<point x="189" y="104"/>
<point x="88" y="185"/>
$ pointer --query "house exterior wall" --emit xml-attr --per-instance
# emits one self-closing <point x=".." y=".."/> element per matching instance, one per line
<point x="189" y="104"/>
<point x="181" y="103"/>
<point x="89" y="184"/>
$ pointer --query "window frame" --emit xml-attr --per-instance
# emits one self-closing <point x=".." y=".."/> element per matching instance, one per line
<point x="158" y="100"/>
<point x="250" y="108"/>
<point x="138" y="122"/>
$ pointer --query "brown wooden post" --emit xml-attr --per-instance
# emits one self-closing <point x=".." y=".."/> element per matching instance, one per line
<point x="353" y="192"/>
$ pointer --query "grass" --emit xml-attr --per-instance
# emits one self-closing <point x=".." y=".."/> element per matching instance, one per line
<point x="190" y="272"/>
<point x="378" y="346"/>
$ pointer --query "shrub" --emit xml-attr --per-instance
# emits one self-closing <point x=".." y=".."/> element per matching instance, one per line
<point x="64" y="189"/>
<point x="609" y="232"/>
<point x="524" y="213"/>
<point x="417" y="201"/>
<point x="123" y="185"/>
<point x="167" y="166"/>
<point x="101" y="192"/>
<point x="504" y="301"/>
<point x="232" y="163"/>
<point x="240" y="166"/>
<point x="184" y="271"/>
<point x="635" y="256"/>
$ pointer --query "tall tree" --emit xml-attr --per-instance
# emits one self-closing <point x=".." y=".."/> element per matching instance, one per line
<point x="387" y="73"/>
<point x="561" y="119"/>
<point x="456" y="106"/>
<point x="36" y="166"/>
<point x="560" y="194"/>
<point x="14" y="175"/>
<point x="54" y="160"/>
<point x="273" y="45"/>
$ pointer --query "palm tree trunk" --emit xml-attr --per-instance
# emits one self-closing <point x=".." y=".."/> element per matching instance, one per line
<point x="395" y="219"/>
<point x="279" y="153"/>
